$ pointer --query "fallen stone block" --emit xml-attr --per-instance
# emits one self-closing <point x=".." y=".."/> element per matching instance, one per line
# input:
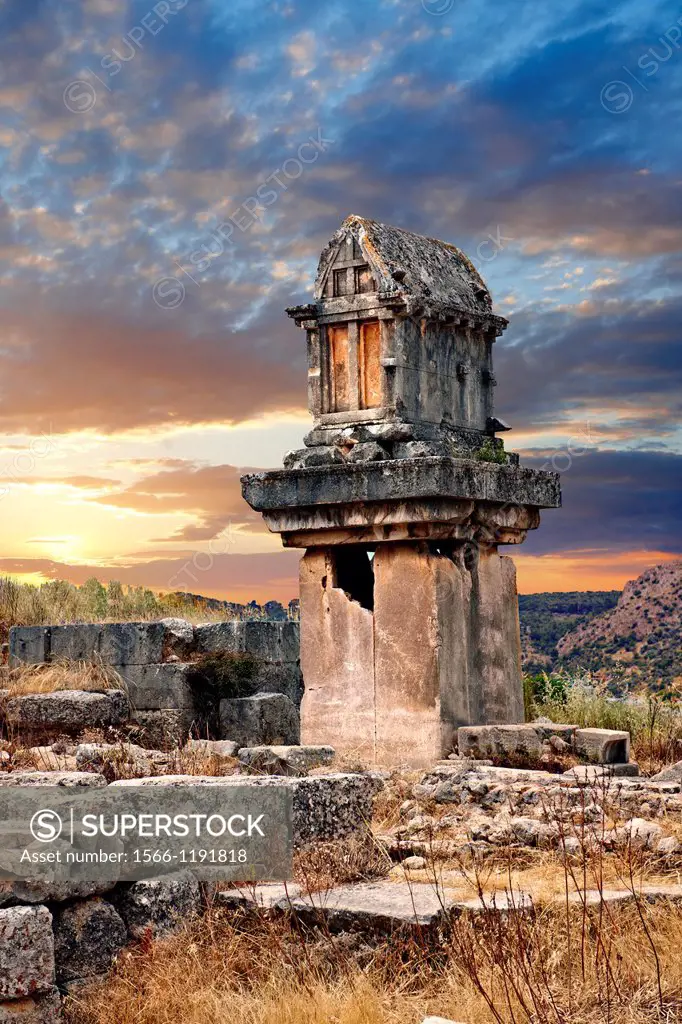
<point x="57" y="892"/>
<point x="376" y="908"/>
<point x="671" y="894"/>
<point x="641" y="833"/>
<point x="414" y="863"/>
<point x="27" y="965"/>
<point x="498" y="741"/>
<point x="669" y="846"/>
<point x="274" y="760"/>
<point x="42" y="1009"/>
<point x="325" y="807"/>
<point x="603" y="746"/>
<point x="264" y="719"/>
<point x="671" y="773"/>
<point x="268" y="641"/>
<point x="67" y="780"/>
<point x="88" y="936"/>
<point x="68" y="711"/>
<point x="158" y="906"/>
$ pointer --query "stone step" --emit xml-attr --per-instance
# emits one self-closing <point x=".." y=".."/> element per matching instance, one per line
<point x="382" y="908"/>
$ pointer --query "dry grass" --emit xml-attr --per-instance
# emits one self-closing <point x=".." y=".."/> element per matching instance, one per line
<point x="60" y="675"/>
<point x="325" y="865"/>
<point x="654" y="724"/>
<point x="546" y="968"/>
<point x="23" y="604"/>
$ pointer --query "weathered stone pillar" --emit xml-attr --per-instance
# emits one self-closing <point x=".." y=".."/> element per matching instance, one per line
<point x="420" y="652"/>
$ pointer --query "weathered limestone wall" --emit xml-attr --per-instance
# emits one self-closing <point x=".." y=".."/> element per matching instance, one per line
<point x="163" y="668"/>
<point x="56" y="936"/>
<point x="436" y="646"/>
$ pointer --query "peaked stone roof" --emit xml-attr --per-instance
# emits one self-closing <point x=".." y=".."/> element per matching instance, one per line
<point x="423" y="272"/>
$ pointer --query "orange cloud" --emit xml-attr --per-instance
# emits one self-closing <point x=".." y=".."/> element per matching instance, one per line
<point x="211" y="493"/>
<point x="583" y="570"/>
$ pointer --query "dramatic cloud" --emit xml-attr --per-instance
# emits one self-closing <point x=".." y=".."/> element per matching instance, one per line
<point x="211" y="493"/>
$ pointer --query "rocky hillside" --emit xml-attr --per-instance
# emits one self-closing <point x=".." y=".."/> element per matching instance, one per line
<point x="546" y="618"/>
<point x="640" y="640"/>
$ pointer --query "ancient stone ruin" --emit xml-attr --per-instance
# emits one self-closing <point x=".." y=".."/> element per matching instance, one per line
<point x="400" y="499"/>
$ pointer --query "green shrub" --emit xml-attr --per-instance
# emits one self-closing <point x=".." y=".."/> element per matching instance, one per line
<point x="217" y="677"/>
<point x="490" y="452"/>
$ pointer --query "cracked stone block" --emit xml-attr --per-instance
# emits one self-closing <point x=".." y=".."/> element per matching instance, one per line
<point x="114" y="643"/>
<point x="278" y="760"/>
<point x="305" y="458"/>
<point x="78" y="642"/>
<point x="68" y="710"/>
<point x="29" y="645"/>
<point x="88" y="936"/>
<point x="603" y="746"/>
<point x="160" y="687"/>
<point x="498" y="740"/>
<point x="548" y="730"/>
<point x="270" y="641"/>
<point x="159" y="905"/>
<point x="145" y="643"/>
<point x="26" y="952"/>
<point x="325" y="807"/>
<point x="43" y="1009"/>
<point x="376" y="908"/>
<point x="264" y="719"/>
<point x="123" y="643"/>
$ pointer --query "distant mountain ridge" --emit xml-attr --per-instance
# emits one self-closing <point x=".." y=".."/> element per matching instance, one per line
<point x="640" y="639"/>
<point x="546" y="618"/>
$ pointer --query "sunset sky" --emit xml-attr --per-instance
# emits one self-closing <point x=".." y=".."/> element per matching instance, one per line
<point x="142" y="369"/>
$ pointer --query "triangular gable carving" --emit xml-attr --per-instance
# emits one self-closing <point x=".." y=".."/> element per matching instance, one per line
<point x="344" y="238"/>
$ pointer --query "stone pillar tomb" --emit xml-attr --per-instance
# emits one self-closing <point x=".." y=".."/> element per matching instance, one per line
<point x="400" y="500"/>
